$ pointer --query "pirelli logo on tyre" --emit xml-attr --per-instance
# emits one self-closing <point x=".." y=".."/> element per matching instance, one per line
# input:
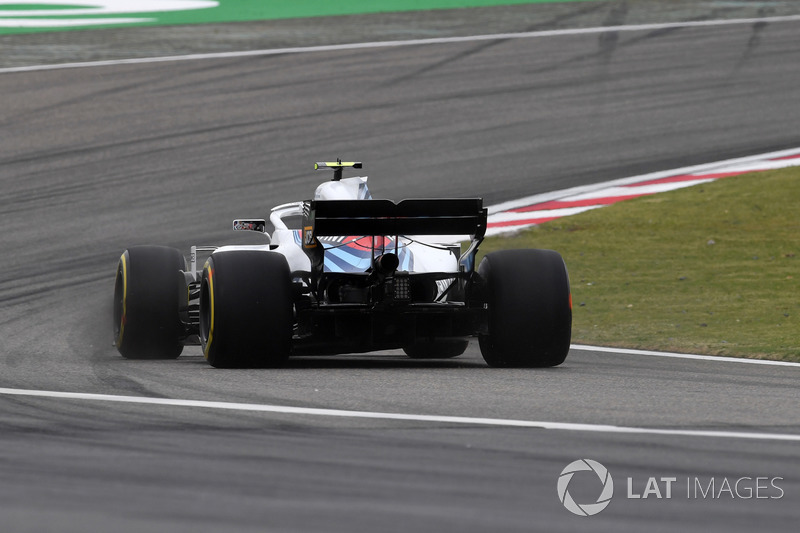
<point x="308" y="237"/>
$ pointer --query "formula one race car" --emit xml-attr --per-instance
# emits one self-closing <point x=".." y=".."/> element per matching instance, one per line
<point x="343" y="273"/>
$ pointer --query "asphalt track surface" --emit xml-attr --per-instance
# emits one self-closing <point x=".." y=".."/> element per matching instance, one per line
<point x="95" y="160"/>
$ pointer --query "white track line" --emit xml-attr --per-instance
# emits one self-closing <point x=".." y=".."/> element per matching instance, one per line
<point x="714" y="358"/>
<point x="545" y="213"/>
<point x="410" y="42"/>
<point x="67" y="23"/>
<point x="501" y="422"/>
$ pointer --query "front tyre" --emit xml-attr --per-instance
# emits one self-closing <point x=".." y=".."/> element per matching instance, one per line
<point x="146" y="320"/>
<point x="529" y="308"/>
<point x="246" y="309"/>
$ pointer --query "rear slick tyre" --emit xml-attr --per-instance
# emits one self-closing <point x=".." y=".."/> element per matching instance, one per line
<point x="529" y="308"/>
<point x="246" y="310"/>
<point x="146" y="320"/>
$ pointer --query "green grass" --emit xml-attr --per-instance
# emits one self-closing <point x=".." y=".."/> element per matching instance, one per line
<point x="710" y="269"/>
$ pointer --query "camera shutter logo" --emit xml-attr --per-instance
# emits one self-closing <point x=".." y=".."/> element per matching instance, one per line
<point x="585" y="509"/>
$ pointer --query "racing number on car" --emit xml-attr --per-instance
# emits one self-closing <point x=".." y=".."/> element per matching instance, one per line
<point x="308" y="237"/>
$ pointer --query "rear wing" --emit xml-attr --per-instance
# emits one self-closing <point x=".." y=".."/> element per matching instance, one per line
<point x="457" y="216"/>
<point x="450" y="216"/>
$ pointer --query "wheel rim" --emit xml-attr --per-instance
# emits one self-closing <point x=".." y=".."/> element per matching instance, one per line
<point x="206" y="313"/>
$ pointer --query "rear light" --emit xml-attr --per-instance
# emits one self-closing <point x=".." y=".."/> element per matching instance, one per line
<point x="401" y="287"/>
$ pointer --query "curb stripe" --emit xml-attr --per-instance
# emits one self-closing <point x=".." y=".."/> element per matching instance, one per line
<point x="519" y="214"/>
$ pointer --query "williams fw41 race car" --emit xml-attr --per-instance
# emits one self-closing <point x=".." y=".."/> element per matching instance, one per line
<point x="344" y="273"/>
